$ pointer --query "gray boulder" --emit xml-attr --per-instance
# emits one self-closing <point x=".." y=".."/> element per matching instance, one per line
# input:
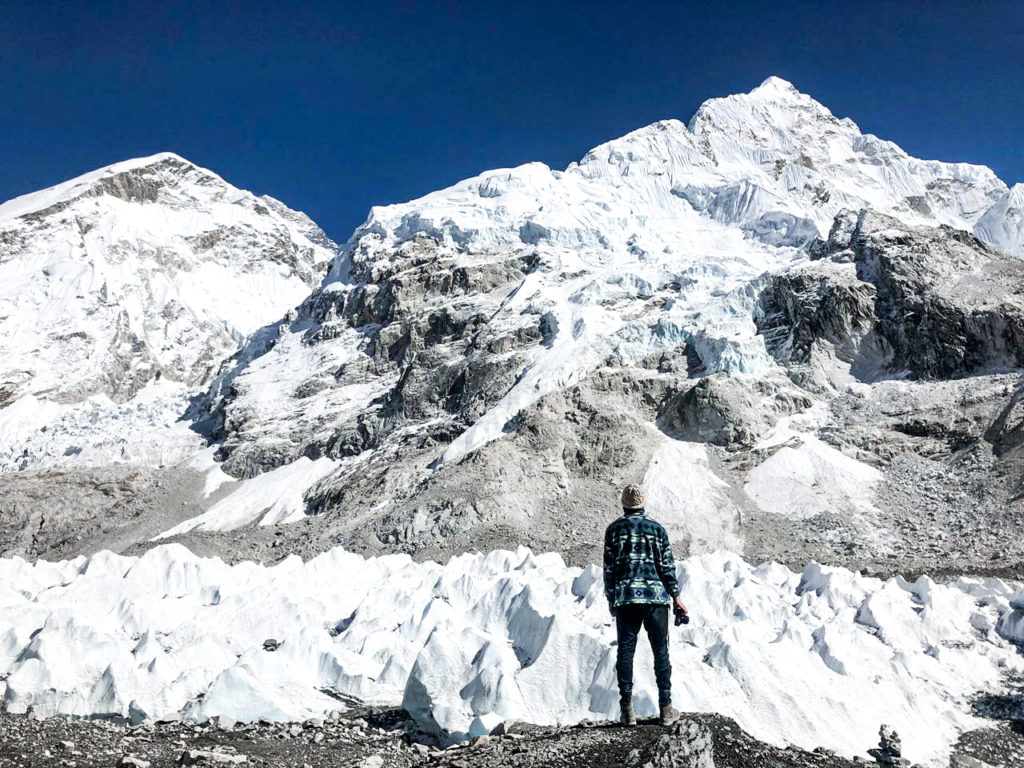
<point x="687" y="745"/>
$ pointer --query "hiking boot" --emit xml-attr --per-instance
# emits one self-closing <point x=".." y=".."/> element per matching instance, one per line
<point x="669" y="715"/>
<point x="628" y="716"/>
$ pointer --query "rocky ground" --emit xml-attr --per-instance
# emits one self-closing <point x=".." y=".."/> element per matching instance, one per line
<point x="942" y="515"/>
<point x="386" y="738"/>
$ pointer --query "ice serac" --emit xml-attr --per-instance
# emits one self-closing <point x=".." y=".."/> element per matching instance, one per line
<point x="683" y="304"/>
<point x="122" y="291"/>
<point x="506" y="635"/>
<point x="1002" y="225"/>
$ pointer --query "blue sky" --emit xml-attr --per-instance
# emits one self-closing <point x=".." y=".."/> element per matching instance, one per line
<point x="334" y="107"/>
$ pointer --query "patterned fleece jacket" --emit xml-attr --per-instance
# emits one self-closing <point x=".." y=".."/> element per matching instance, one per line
<point x="638" y="562"/>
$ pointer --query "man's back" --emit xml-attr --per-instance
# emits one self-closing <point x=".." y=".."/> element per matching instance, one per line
<point x="638" y="562"/>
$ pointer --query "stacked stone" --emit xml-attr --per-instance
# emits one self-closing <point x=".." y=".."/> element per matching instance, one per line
<point x="890" y="751"/>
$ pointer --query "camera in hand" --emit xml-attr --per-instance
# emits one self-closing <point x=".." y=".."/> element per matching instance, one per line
<point x="681" y="616"/>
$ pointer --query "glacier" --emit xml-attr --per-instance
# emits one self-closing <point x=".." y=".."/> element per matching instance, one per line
<point x="482" y="639"/>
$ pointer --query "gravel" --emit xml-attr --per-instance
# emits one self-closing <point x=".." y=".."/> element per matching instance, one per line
<point x="386" y="738"/>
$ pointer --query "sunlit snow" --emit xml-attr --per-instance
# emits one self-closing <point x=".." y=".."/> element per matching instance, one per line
<point x="793" y="657"/>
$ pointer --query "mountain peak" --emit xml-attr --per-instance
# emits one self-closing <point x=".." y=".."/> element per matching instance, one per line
<point x="135" y="280"/>
<point x="775" y="84"/>
<point x="773" y="105"/>
<point x="144" y="162"/>
<point x="68" y="190"/>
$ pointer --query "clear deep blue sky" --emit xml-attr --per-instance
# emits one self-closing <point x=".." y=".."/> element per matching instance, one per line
<point x="333" y="107"/>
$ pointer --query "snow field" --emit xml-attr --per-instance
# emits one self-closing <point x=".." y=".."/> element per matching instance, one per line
<point x="818" y="658"/>
<point x="273" y="498"/>
<point x="146" y="430"/>
<point x="804" y="476"/>
<point x="684" y="494"/>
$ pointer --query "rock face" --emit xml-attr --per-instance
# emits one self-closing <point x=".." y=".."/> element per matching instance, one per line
<point x="123" y="290"/>
<point x="946" y="306"/>
<point x="730" y="412"/>
<point x="921" y="302"/>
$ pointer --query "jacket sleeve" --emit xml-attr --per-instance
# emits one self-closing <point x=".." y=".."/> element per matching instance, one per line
<point x="665" y="562"/>
<point x="609" y="568"/>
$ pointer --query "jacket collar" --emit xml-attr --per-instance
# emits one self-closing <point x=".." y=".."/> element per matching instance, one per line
<point x="633" y="512"/>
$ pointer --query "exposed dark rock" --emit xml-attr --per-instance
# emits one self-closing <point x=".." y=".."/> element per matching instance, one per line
<point x="728" y="411"/>
<point x="889" y="753"/>
<point x="928" y="302"/>
<point x="688" y="744"/>
<point x="388" y="738"/>
<point x="804" y="307"/>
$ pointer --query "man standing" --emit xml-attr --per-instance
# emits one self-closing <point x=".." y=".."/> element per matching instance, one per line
<point x="640" y="583"/>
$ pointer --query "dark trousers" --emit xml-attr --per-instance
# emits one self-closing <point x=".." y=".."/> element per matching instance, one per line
<point x="653" y="618"/>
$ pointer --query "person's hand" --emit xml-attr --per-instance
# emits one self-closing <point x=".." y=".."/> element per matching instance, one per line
<point x="679" y="604"/>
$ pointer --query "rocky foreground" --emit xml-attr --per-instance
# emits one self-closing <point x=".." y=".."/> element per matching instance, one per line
<point x="388" y="738"/>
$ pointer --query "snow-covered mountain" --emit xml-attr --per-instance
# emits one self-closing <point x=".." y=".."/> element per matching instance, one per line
<point x="698" y="307"/>
<point x="122" y="291"/>
<point x="492" y="360"/>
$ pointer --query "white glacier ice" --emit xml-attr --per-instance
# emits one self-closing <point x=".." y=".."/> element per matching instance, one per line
<point x="1002" y="225"/>
<point x="817" y="658"/>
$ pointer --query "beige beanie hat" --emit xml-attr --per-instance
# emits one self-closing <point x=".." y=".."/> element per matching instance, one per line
<point x="632" y="497"/>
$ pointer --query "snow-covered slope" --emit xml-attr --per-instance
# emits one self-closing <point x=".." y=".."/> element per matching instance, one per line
<point x="1002" y="225"/>
<point x="123" y="290"/>
<point x="765" y="161"/>
<point x="813" y="659"/>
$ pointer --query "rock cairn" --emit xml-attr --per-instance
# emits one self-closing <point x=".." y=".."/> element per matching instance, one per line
<point x="889" y="752"/>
